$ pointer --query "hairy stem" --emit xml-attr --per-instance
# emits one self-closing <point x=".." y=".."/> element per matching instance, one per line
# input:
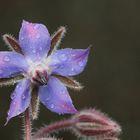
<point x="27" y="125"/>
<point x="53" y="127"/>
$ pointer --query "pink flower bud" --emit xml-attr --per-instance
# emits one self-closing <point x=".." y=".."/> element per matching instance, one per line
<point x="96" y="124"/>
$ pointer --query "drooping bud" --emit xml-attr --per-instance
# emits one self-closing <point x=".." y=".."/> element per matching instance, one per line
<point x="96" y="124"/>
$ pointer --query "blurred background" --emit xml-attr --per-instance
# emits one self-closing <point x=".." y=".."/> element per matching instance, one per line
<point x="111" y="78"/>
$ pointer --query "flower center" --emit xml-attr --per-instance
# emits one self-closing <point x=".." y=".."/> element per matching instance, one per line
<point x="39" y="75"/>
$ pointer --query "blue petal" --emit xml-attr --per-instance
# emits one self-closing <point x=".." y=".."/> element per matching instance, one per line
<point x="68" y="62"/>
<point x="20" y="99"/>
<point x="11" y="64"/>
<point x="34" y="40"/>
<point x="56" y="97"/>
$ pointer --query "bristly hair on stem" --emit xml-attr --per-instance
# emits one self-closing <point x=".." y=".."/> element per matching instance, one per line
<point x="27" y="125"/>
<point x="53" y="127"/>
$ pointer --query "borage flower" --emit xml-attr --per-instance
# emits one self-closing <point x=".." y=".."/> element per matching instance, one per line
<point x="37" y="66"/>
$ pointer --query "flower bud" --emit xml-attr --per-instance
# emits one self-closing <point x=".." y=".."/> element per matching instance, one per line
<point x="96" y="124"/>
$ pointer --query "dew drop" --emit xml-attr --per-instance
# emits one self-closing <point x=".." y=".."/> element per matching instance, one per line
<point x="73" y="55"/>
<point x="38" y="36"/>
<point x="14" y="103"/>
<point x="63" y="57"/>
<point x="19" y="111"/>
<point x="23" y="97"/>
<point x="52" y="106"/>
<point x="19" y="87"/>
<point x="8" y="113"/>
<point x="72" y="69"/>
<point x="22" y="38"/>
<point x="63" y="91"/>
<point x="27" y="23"/>
<point x="81" y="64"/>
<point x="13" y="95"/>
<point x="43" y="102"/>
<point x="34" y="51"/>
<point x="36" y="26"/>
<point x="40" y="48"/>
<point x="6" y="58"/>
<point x="1" y="71"/>
<point x="47" y="99"/>
<point x="63" y="106"/>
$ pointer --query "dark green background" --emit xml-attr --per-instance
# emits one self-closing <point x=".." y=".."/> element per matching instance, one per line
<point x="111" y="78"/>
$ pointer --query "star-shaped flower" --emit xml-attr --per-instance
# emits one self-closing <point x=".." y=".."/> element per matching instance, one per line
<point x="37" y="66"/>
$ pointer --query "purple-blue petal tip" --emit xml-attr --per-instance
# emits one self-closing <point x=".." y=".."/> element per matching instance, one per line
<point x="34" y="40"/>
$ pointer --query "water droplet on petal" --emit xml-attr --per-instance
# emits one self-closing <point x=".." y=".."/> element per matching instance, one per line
<point x="23" y="97"/>
<point x="19" y="111"/>
<point x="25" y="22"/>
<point x="73" y="55"/>
<point x="36" y="26"/>
<point x="47" y="99"/>
<point x="22" y="38"/>
<point x="1" y="71"/>
<point x="52" y="106"/>
<point x="38" y="36"/>
<point x="43" y="102"/>
<point x="63" y="57"/>
<point x="40" y="48"/>
<point x="72" y="69"/>
<point x="34" y="51"/>
<point x="8" y="113"/>
<point x="13" y="95"/>
<point x="14" y="103"/>
<point x="6" y="58"/>
<point x="81" y="64"/>
<point x="63" y="91"/>
<point x="63" y="106"/>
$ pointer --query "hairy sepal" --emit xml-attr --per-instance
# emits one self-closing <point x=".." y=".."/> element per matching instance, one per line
<point x="69" y="82"/>
<point x="56" y="38"/>
<point x="12" y="43"/>
<point x="11" y="80"/>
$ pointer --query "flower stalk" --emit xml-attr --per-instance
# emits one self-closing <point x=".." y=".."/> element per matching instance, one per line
<point x="53" y="127"/>
<point x="27" y="125"/>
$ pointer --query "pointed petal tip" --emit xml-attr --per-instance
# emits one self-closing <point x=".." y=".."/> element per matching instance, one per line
<point x="63" y="29"/>
<point x="74" y="111"/>
<point x="34" y="40"/>
<point x="70" y="109"/>
<point x="6" y="122"/>
<point x="24" y="22"/>
<point x="87" y="50"/>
